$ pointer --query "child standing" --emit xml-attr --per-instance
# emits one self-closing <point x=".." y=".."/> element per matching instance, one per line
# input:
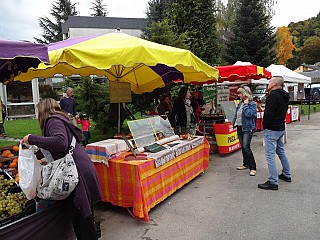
<point x="86" y="125"/>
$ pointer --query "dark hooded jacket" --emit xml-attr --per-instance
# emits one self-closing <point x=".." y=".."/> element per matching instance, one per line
<point x="275" y="110"/>
<point x="57" y="139"/>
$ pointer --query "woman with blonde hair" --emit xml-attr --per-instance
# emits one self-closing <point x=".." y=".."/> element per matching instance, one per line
<point x="245" y="122"/>
<point x="57" y="133"/>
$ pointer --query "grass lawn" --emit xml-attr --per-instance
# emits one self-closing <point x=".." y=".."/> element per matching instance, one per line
<point x="21" y="127"/>
<point x="304" y="108"/>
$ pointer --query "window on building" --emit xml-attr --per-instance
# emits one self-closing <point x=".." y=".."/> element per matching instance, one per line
<point x="21" y="110"/>
<point x="19" y="92"/>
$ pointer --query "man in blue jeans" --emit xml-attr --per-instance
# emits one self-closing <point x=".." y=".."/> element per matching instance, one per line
<point x="274" y="129"/>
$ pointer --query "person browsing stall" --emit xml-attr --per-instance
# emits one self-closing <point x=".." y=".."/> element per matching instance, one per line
<point x="164" y="107"/>
<point x="57" y="133"/>
<point x="245" y="121"/>
<point x="182" y="112"/>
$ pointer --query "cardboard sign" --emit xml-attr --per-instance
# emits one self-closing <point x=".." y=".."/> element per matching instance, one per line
<point x="120" y="92"/>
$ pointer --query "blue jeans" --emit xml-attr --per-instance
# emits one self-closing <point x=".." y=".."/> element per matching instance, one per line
<point x="86" y="136"/>
<point x="274" y="145"/>
<point x="245" y="141"/>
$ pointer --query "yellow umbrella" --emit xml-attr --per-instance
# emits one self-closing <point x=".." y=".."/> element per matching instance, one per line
<point x="120" y="57"/>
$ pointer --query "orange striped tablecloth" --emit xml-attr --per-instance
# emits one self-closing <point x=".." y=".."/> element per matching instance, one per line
<point x="138" y="184"/>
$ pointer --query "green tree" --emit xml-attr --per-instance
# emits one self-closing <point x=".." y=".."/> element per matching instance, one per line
<point x="47" y="91"/>
<point x="99" y="9"/>
<point x="162" y="32"/>
<point x="310" y="52"/>
<point x="158" y="28"/>
<point x="252" y="39"/>
<point x="196" y="18"/>
<point x="93" y="99"/>
<point x="157" y="10"/>
<point x="52" y="30"/>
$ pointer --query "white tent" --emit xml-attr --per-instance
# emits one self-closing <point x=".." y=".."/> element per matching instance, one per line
<point x="288" y="75"/>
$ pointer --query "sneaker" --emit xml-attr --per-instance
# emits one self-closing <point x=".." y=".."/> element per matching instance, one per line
<point x="284" y="178"/>
<point x="241" y="168"/>
<point x="268" y="186"/>
<point x="253" y="172"/>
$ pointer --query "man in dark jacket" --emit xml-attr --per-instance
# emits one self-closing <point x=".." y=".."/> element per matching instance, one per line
<point x="68" y="104"/>
<point x="274" y="130"/>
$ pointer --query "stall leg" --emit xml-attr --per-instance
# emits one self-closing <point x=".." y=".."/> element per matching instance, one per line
<point x="130" y="212"/>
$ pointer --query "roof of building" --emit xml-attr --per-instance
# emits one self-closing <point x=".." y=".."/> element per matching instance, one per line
<point x="314" y="74"/>
<point x="103" y="22"/>
<point x="312" y="66"/>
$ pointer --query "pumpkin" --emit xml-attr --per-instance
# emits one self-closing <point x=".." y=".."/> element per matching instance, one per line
<point x="15" y="148"/>
<point x="5" y="153"/>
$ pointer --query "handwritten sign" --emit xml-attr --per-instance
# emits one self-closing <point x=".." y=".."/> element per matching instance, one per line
<point x="120" y="92"/>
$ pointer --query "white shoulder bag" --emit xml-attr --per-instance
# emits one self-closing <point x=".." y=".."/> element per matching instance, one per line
<point x="59" y="178"/>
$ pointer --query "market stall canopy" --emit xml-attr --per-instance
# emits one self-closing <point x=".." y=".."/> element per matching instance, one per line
<point x="120" y="57"/>
<point x="17" y="57"/>
<point x="287" y="74"/>
<point x="242" y="73"/>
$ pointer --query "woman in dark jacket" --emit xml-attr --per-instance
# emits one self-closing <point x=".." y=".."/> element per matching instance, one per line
<point x="165" y="107"/>
<point x="245" y="121"/>
<point x="182" y="117"/>
<point x="57" y="134"/>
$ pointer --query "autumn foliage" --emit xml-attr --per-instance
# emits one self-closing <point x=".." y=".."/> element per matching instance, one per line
<point x="285" y="46"/>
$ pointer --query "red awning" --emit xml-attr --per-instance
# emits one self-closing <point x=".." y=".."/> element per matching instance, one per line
<point x="233" y="73"/>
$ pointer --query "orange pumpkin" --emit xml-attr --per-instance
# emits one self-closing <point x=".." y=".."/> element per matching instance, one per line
<point x="15" y="160"/>
<point x="10" y="155"/>
<point x="16" y="178"/>
<point x="5" y="153"/>
<point x="15" y="148"/>
<point x="13" y="165"/>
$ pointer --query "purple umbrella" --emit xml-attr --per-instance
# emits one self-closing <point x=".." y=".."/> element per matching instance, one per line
<point x="16" y="57"/>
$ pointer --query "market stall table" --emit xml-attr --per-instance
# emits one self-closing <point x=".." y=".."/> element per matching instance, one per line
<point x="49" y="224"/>
<point x="140" y="185"/>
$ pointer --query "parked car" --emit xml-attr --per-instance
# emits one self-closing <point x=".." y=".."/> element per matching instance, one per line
<point x="313" y="94"/>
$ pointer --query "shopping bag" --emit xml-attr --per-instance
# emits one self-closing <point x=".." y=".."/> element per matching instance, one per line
<point x="29" y="171"/>
<point x="59" y="178"/>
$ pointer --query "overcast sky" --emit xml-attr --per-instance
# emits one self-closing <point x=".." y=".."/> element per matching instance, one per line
<point x="19" y="18"/>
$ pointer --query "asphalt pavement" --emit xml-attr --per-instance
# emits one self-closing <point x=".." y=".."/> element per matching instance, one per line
<point x="224" y="203"/>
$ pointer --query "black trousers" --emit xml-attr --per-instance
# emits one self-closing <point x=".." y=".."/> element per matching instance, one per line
<point x="83" y="228"/>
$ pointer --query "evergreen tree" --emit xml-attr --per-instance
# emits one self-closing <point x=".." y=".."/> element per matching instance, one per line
<point x="156" y="13"/>
<point x="99" y="9"/>
<point x="162" y="32"/>
<point x="197" y="19"/>
<point x="252" y="38"/>
<point x="52" y="30"/>
<point x="93" y="99"/>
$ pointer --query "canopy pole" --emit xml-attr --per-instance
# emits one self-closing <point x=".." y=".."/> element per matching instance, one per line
<point x="309" y="102"/>
<point x="119" y="117"/>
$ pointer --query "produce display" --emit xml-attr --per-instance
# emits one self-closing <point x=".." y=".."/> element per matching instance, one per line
<point x="9" y="161"/>
<point x="13" y="203"/>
